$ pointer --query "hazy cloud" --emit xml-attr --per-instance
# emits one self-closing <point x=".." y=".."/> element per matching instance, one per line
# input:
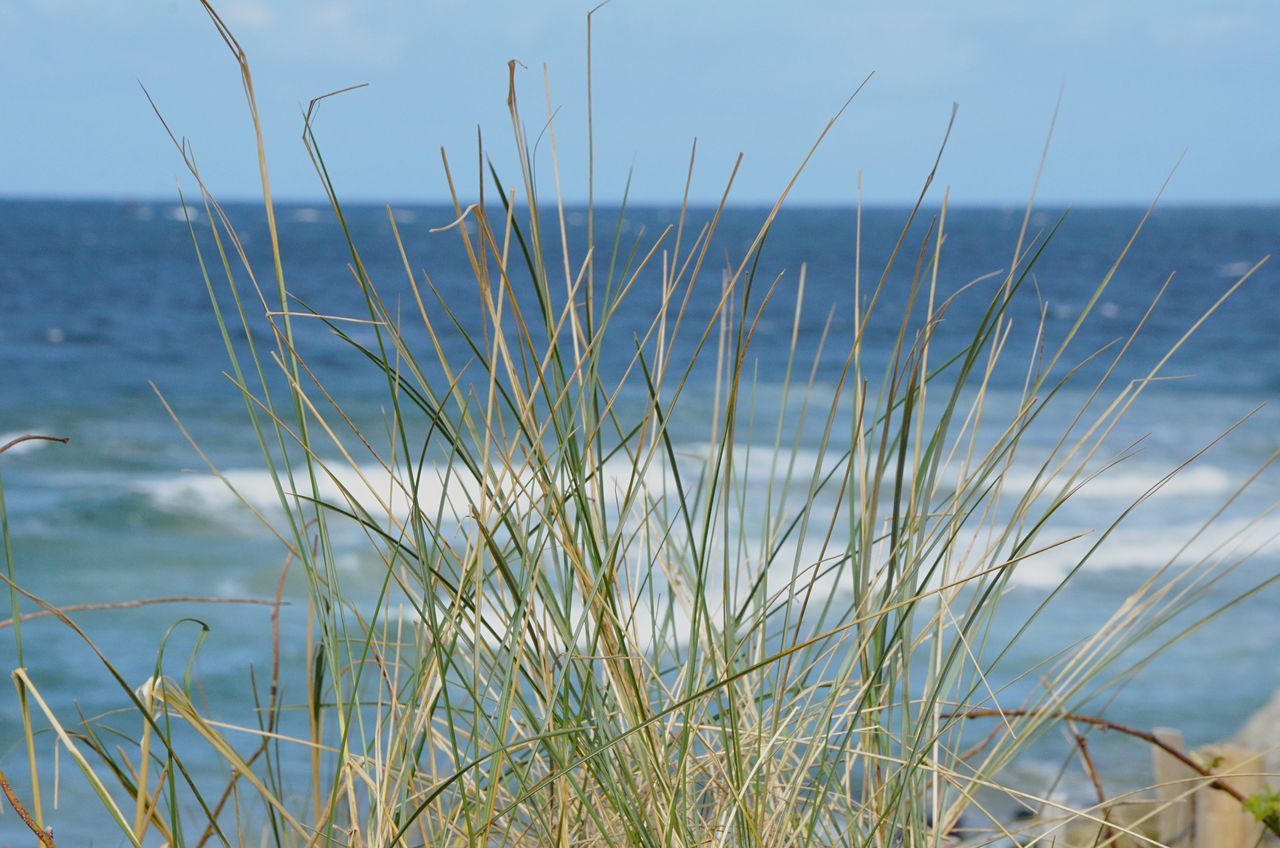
<point x="248" y="14"/>
<point x="349" y="31"/>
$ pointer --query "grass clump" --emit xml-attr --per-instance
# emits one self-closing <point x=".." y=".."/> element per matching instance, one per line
<point x="586" y="631"/>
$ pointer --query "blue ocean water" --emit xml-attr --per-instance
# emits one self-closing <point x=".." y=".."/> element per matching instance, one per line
<point x="101" y="300"/>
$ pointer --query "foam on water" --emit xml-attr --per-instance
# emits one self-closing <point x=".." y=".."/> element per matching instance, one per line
<point x="372" y="488"/>
<point x="1144" y="540"/>
<point x="1234" y="270"/>
<point x="1128" y="482"/>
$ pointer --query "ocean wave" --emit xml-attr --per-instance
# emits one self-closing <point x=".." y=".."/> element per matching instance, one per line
<point x="1149" y="547"/>
<point x="764" y="501"/>
<point x="1234" y="269"/>
<point x="758" y="470"/>
<point x="1128" y="482"/>
<point x="373" y="490"/>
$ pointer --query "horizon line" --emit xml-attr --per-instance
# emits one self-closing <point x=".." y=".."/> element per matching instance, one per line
<point x="578" y="204"/>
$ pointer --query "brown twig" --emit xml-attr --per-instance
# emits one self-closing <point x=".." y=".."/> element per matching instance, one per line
<point x="275" y="643"/>
<point x="45" y="837"/>
<point x="141" y="602"/>
<point x="1094" y="721"/>
<point x="33" y="438"/>
<point x="1106" y="835"/>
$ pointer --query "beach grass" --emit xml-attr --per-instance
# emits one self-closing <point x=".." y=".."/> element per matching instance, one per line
<point x="585" y="631"/>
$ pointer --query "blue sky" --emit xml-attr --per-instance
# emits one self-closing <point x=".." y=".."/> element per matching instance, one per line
<point x="1142" y="81"/>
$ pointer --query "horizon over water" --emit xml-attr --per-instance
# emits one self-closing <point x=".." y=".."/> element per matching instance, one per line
<point x="606" y="205"/>
<point x="99" y="298"/>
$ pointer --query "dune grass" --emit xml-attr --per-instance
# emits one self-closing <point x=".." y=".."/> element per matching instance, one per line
<point x="586" y="632"/>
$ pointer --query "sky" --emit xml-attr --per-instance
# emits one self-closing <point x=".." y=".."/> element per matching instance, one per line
<point x="1142" y="83"/>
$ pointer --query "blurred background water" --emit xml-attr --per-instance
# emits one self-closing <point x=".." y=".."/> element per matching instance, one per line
<point x="100" y="299"/>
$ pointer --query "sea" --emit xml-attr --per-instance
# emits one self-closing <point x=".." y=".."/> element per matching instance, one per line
<point x="103" y="312"/>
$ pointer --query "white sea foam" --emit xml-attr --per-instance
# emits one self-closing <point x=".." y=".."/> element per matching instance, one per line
<point x="1149" y="540"/>
<point x="1234" y="269"/>
<point x="758" y="472"/>
<point x="801" y="571"/>
<point x="370" y="489"/>
<point x="1128" y="482"/>
<point x="1148" y="547"/>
